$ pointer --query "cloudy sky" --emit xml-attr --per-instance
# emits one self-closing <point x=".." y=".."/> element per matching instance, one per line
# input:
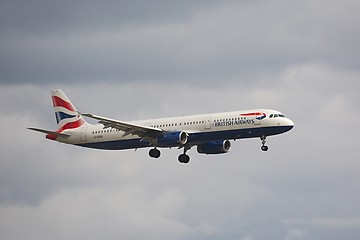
<point x="132" y="60"/>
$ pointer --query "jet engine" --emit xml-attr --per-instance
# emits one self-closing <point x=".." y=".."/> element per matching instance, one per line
<point x="214" y="147"/>
<point x="172" y="139"/>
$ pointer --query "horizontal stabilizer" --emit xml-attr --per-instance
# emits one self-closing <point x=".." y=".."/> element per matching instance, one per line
<point x="58" y="134"/>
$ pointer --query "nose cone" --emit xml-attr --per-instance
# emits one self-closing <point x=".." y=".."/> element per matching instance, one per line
<point x="290" y="124"/>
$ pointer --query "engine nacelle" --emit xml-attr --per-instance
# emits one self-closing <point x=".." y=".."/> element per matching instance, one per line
<point x="214" y="147"/>
<point x="172" y="139"/>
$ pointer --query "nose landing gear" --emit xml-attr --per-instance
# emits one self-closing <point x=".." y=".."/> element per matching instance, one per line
<point x="263" y="141"/>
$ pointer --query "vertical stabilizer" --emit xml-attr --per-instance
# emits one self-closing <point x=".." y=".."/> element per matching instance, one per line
<point x="66" y="114"/>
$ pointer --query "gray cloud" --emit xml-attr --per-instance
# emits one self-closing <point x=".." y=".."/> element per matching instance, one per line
<point x="43" y="17"/>
<point x="199" y="43"/>
<point x="242" y="194"/>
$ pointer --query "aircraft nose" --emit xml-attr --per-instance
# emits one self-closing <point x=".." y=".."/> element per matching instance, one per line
<point x="290" y="123"/>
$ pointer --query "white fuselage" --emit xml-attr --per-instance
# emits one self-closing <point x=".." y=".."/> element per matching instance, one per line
<point x="200" y="128"/>
<point x="210" y="133"/>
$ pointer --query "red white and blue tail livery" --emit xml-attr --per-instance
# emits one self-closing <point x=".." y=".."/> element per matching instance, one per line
<point x="67" y="117"/>
<point x="210" y="133"/>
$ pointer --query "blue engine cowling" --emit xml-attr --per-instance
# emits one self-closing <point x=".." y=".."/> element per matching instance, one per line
<point x="172" y="139"/>
<point x="214" y="147"/>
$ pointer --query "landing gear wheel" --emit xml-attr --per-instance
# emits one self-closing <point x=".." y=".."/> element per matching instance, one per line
<point x="183" y="158"/>
<point x="264" y="148"/>
<point x="154" y="153"/>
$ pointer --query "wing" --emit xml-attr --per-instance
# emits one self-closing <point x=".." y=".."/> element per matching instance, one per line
<point x="145" y="132"/>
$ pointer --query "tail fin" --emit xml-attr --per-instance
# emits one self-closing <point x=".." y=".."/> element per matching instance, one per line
<point x="66" y="114"/>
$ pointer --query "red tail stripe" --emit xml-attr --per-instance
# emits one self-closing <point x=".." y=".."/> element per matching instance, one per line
<point x="58" y="102"/>
<point x="72" y="125"/>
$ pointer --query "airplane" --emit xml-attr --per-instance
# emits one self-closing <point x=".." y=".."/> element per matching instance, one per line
<point x="210" y="133"/>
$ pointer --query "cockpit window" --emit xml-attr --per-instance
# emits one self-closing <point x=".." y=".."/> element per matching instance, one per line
<point x="276" y="115"/>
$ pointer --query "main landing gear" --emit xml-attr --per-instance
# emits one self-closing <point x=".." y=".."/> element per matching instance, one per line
<point x="263" y="141"/>
<point x="183" y="158"/>
<point x="154" y="153"/>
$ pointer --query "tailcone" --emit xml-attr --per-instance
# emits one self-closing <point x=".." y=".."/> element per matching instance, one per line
<point x="51" y="136"/>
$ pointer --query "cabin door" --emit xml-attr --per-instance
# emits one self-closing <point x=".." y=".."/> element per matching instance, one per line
<point x="83" y="134"/>
<point x="208" y="123"/>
